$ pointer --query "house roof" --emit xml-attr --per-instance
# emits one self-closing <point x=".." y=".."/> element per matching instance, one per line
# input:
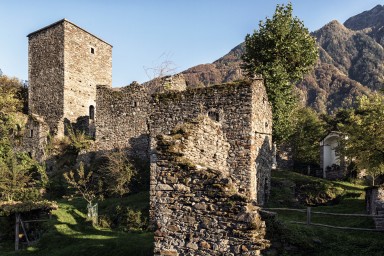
<point x="62" y="21"/>
<point x="331" y="133"/>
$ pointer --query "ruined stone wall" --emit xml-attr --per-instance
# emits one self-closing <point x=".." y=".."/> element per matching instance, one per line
<point x="196" y="206"/>
<point x="234" y="106"/>
<point x="46" y="74"/>
<point x="121" y="119"/>
<point x="374" y="198"/>
<point x="261" y="143"/>
<point x="35" y="137"/>
<point x="87" y="63"/>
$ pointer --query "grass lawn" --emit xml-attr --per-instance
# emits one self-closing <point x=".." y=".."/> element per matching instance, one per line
<point x="70" y="234"/>
<point x="312" y="240"/>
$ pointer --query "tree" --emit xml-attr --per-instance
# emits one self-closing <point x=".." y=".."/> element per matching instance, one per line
<point x="21" y="178"/>
<point x="282" y="51"/>
<point x="118" y="172"/>
<point x="309" y="129"/>
<point x="364" y="138"/>
<point x="83" y="183"/>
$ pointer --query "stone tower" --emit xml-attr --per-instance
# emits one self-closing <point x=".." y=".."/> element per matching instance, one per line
<point x="65" y="65"/>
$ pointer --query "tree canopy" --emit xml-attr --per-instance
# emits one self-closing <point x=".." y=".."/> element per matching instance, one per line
<point x="364" y="132"/>
<point x="282" y="51"/>
<point x="309" y="129"/>
<point x="21" y="177"/>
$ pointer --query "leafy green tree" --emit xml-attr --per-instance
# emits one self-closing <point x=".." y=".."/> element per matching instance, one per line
<point x="282" y="50"/>
<point x="83" y="183"/>
<point x="364" y="138"/>
<point x="21" y="178"/>
<point x="309" y="129"/>
<point x="13" y="95"/>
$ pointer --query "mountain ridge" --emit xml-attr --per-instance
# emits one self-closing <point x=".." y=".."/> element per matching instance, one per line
<point x="349" y="65"/>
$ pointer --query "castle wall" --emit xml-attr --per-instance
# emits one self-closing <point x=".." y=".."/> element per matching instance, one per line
<point x="65" y="65"/>
<point x="35" y="137"/>
<point x="46" y="74"/>
<point x="261" y="143"/>
<point x="87" y="63"/>
<point x="121" y="120"/>
<point x="236" y="107"/>
<point x="196" y="207"/>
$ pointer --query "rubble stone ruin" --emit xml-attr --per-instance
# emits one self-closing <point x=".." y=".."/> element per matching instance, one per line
<point x="209" y="148"/>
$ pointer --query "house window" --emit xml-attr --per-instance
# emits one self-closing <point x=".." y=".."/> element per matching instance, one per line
<point x="91" y="112"/>
<point x="92" y="50"/>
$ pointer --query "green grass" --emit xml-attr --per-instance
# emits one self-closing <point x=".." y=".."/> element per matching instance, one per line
<point x="313" y="240"/>
<point x="68" y="233"/>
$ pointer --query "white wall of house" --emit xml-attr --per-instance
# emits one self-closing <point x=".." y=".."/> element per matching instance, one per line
<point x="330" y="157"/>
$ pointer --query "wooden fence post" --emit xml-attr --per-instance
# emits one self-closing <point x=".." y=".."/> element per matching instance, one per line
<point x="17" y="231"/>
<point x="308" y="215"/>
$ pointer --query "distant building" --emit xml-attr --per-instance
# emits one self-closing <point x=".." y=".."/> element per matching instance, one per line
<point x="330" y="161"/>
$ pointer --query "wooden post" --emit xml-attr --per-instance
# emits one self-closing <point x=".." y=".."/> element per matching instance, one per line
<point x="17" y="231"/>
<point x="308" y="215"/>
<point x="25" y="231"/>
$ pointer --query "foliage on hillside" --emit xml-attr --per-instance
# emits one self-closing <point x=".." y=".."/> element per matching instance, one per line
<point x="349" y="65"/>
<point x="282" y="51"/>
<point x="363" y="136"/>
<point x="304" y="141"/>
<point x="21" y="177"/>
<point x="295" y="239"/>
<point x="69" y="233"/>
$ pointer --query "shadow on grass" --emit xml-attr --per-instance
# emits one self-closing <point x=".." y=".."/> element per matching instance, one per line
<point x="348" y="186"/>
<point x="68" y="233"/>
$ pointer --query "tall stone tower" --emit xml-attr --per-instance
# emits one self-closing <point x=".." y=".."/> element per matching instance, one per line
<point x="65" y="65"/>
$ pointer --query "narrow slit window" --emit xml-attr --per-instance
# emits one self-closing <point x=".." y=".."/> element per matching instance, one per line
<point x="214" y="116"/>
<point x="92" y="50"/>
<point x="31" y="133"/>
<point x="91" y="112"/>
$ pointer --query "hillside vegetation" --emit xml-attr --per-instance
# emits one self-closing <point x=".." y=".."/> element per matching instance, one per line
<point x="68" y="233"/>
<point x="293" y="190"/>
<point x="350" y="64"/>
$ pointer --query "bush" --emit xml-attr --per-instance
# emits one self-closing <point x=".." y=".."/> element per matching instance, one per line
<point x="124" y="218"/>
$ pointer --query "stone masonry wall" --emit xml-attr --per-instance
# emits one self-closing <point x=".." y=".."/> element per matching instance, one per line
<point x="261" y="142"/>
<point x="87" y="63"/>
<point x="196" y="206"/>
<point x="234" y="106"/>
<point x="121" y="120"/>
<point x="65" y="65"/>
<point x="46" y="74"/>
<point x="35" y="137"/>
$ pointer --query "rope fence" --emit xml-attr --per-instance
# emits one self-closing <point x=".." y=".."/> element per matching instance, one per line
<point x="309" y="213"/>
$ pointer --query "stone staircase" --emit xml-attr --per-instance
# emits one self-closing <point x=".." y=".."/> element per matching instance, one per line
<point x="379" y="220"/>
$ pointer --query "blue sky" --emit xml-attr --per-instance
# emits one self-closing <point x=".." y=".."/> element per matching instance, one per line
<point x="145" y="33"/>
